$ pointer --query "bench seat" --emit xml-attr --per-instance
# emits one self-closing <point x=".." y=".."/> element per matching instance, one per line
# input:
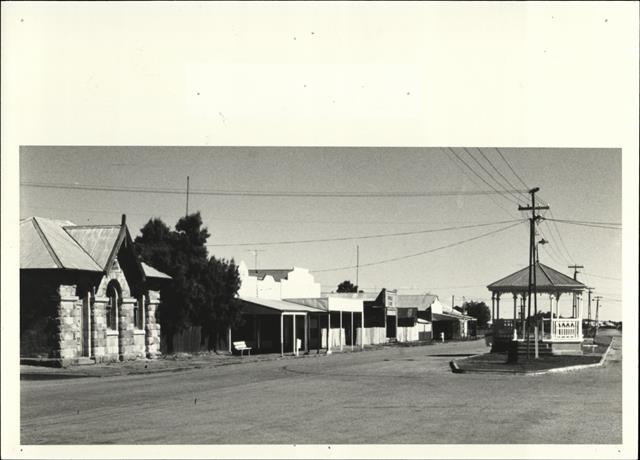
<point x="241" y="346"/>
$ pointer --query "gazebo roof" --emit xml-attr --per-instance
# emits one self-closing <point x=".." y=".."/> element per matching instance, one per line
<point x="547" y="280"/>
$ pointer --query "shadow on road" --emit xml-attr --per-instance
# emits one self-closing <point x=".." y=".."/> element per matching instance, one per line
<point x="454" y="355"/>
<point x="52" y="376"/>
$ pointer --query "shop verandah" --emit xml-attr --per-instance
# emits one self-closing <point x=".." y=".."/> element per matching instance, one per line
<point x="560" y="333"/>
<point x="298" y="325"/>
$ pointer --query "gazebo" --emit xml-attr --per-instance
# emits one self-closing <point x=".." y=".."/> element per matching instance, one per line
<point x="560" y="335"/>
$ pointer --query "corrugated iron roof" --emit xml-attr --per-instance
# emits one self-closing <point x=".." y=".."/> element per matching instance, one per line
<point x="44" y="244"/>
<point x="319" y="303"/>
<point x="450" y="317"/>
<point x="369" y="296"/>
<point x="151" y="272"/>
<point x="419" y="301"/>
<point x="98" y="240"/>
<point x="280" y="305"/>
<point x="278" y="274"/>
<point x="547" y="280"/>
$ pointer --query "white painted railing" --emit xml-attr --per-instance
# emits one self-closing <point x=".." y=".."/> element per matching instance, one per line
<point x="565" y="329"/>
<point x="560" y="329"/>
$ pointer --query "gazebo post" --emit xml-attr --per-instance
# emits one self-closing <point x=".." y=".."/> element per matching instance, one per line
<point x="522" y="312"/>
<point x="579" y="312"/>
<point x="493" y="307"/>
<point x="515" y="307"/>
<point x="498" y="304"/>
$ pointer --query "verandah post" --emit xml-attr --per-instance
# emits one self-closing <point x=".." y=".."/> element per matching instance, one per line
<point x="295" y="338"/>
<point x="329" y="333"/>
<point x="351" y="331"/>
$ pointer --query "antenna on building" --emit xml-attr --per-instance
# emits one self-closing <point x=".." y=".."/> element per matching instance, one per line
<point x="255" y="256"/>
<point x="187" y="213"/>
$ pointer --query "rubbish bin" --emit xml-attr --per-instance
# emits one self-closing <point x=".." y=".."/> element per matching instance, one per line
<point x="512" y="352"/>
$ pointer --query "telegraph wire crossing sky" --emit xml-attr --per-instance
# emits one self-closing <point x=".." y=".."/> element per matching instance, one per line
<point x="423" y="217"/>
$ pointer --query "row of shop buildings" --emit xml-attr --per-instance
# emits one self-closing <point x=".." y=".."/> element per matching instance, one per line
<point x="285" y="311"/>
<point x="86" y="297"/>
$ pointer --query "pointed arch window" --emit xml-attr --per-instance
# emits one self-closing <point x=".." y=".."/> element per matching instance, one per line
<point x="113" y="294"/>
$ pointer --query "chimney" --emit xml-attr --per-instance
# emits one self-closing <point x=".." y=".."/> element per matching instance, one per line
<point x="124" y="220"/>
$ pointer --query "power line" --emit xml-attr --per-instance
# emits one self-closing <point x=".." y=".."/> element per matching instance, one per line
<point x="500" y="173"/>
<point x="408" y="256"/>
<point x="603" y="277"/>
<point x="257" y="193"/>
<point x="607" y="227"/>
<point x="588" y="222"/>
<point x="517" y="199"/>
<point x="479" y="176"/>
<point x="284" y="221"/>
<point x="555" y="227"/>
<point x="464" y="171"/>
<point x="361" y="237"/>
<point x="512" y="170"/>
<point x="551" y="254"/>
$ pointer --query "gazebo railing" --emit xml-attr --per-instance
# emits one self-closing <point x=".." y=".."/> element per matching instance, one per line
<point x="559" y="329"/>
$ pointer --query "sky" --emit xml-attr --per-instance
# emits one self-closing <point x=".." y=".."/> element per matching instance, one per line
<point x="578" y="184"/>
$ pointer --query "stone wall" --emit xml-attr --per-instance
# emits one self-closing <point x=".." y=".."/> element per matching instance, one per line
<point x="68" y="323"/>
<point x="117" y="274"/>
<point x="99" y="328"/>
<point x="152" y="328"/>
<point x="125" y="329"/>
<point x="112" y="349"/>
<point x="139" y="345"/>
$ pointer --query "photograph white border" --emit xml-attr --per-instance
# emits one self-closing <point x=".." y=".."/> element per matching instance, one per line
<point x="482" y="74"/>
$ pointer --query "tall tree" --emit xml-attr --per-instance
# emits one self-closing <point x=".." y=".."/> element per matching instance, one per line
<point x="347" y="286"/>
<point x="478" y="310"/>
<point x="221" y="309"/>
<point x="203" y="289"/>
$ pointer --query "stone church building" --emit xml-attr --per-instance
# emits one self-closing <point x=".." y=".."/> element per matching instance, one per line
<point x="84" y="294"/>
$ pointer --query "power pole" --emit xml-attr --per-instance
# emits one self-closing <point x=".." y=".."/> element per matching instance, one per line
<point x="589" y="291"/>
<point x="357" y="265"/>
<point x="598" y="297"/>
<point x="575" y="277"/>
<point x="575" y="270"/>
<point x="187" y="213"/>
<point x="532" y="270"/>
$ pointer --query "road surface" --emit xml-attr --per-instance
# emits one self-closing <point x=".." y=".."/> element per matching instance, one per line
<point x="394" y="395"/>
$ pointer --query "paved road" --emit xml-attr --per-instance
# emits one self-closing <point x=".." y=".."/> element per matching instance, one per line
<point x="395" y="395"/>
